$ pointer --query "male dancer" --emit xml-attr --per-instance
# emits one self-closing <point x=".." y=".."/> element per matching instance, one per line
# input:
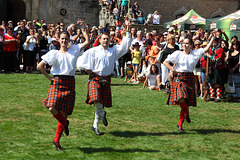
<point x="99" y="63"/>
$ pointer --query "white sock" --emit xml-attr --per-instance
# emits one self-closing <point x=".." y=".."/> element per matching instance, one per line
<point x="96" y="120"/>
<point x="98" y="114"/>
<point x="100" y="108"/>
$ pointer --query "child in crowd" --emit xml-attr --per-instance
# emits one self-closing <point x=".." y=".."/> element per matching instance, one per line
<point x="136" y="59"/>
<point x="54" y="44"/>
<point x="152" y="78"/>
<point x="128" y="71"/>
<point x="142" y="76"/>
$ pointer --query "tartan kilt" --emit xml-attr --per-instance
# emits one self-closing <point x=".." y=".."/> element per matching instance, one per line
<point x="182" y="87"/>
<point x="98" y="91"/>
<point x="61" y="94"/>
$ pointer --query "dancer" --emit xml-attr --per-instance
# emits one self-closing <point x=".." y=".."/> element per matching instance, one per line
<point x="99" y="63"/>
<point x="61" y="95"/>
<point x="182" y="89"/>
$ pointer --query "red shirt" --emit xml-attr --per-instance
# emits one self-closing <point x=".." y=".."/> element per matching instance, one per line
<point x="218" y="58"/>
<point x="11" y="46"/>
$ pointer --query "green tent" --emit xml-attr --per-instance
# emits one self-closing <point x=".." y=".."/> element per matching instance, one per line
<point x="230" y="24"/>
<point x="190" y="21"/>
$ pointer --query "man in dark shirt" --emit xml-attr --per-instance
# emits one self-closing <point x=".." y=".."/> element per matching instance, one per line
<point x="22" y="33"/>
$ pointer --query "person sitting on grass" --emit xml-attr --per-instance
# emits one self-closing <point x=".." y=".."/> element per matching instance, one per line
<point x="136" y="59"/>
<point x="152" y="78"/>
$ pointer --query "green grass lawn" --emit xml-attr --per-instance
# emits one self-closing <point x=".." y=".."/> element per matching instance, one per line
<point x="141" y="125"/>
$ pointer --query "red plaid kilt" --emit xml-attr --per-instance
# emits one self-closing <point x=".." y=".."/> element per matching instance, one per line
<point x="61" y="94"/>
<point x="182" y="87"/>
<point x="98" y="91"/>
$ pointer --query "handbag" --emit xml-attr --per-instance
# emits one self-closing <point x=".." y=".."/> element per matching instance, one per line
<point x="25" y="46"/>
<point x="160" y="55"/>
<point x="230" y="89"/>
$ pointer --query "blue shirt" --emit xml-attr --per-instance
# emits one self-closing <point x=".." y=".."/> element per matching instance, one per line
<point x="141" y="20"/>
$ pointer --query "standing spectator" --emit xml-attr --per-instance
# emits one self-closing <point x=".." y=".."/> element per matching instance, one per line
<point x="216" y="79"/>
<point x="170" y="48"/>
<point x="30" y="56"/>
<point x="156" y="18"/>
<point x="62" y="27"/>
<point x="116" y="12"/>
<point x="136" y="8"/>
<point x="10" y="47"/>
<point x="53" y="45"/>
<point x="125" y="6"/>
<point x="197" y="72"/>
<point x="1" y="49"/>
<point x="136" y="60"/>
<point x="4" y="26"/>
<point x="43" y="45"/>
<point x="118" y="24"/>
<point x="50" y="35"/>
<point x="234" y="71"/>
<point x="22" y="32"/>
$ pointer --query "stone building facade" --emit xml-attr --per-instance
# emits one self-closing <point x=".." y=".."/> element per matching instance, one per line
<point x="68" y="11"/>
<point x="172" y="9"/>
<point x="51" y="11"/>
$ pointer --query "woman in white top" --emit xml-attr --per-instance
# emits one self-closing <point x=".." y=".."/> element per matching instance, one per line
<point x="182" y="89"/>
<point x="61" y="95"/>
<point x="30" y="55"/>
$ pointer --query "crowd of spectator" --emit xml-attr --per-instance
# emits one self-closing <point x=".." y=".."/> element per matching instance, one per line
<point x="22" y="46"/>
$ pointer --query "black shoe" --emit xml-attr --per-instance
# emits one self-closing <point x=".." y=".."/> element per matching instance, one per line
<point x="217" y="100"/>
<point x="210" y="99"/>
<point x="104" y="119"/>
<point x="179" y="129"/>
<point x="95" y="130"/>
<point x="66" y="129"/>
<point x="188" y="119"/>
<point x="58" y="147"/>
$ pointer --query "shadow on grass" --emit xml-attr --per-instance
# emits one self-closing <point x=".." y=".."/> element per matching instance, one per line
<point x="90" y="150"/>
<point x="130" y="134"/>
<point x="212" y="131"/>
<point x="126" y="84"/>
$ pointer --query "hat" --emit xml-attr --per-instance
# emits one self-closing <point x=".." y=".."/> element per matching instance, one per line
<point x="94" y="28"/>
<point x="174" y="24"/>
<point x="129" y="62"/>
<point x="54" y="39"/>
<point x="170" y="29"/>
<point x="136" y="44"/>
<point x="197" y="42"/>
<point x="205" y="43"/>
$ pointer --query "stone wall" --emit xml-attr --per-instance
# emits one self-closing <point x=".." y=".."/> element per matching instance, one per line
<point x="67" y="11"/>
<point x="206" y="8"/>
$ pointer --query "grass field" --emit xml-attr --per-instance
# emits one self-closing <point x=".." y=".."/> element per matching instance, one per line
<point x="141" y="125"/>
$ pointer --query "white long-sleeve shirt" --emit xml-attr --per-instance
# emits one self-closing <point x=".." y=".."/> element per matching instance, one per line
<point x="101" y="61"/>
<point x="63" y="63"/>
<point x="185" y="63"/>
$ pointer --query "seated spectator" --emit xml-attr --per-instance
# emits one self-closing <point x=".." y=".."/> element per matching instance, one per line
<point x="152" y="78"/>
<point x="141" y="19"/>
<point x="133" y="19"/>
